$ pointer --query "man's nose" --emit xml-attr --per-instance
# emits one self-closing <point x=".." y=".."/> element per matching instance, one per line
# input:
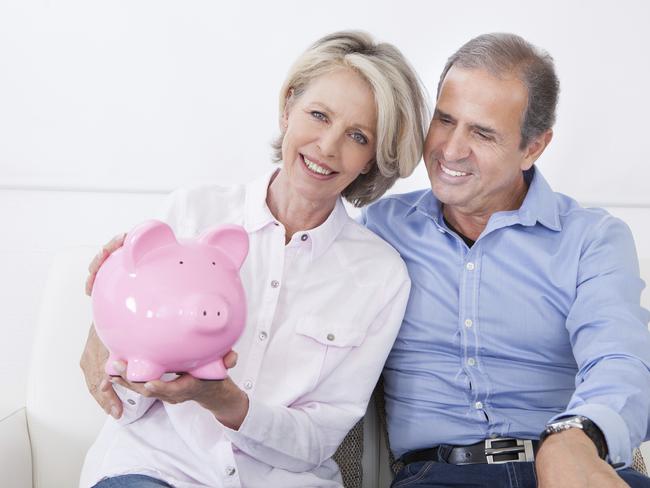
<point x="456" y="147"/>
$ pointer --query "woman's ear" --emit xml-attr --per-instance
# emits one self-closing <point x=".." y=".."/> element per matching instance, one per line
<point x="366" y="169"/>
<point x="284" y="119"/>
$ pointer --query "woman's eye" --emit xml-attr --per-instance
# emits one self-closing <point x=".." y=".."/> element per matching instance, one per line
<point x="360" y="138"/>
<point x="318" y="115"/>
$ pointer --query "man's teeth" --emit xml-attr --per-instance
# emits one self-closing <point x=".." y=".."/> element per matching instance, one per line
<point x="315" y="168"/>
<point x="451" y="172"/>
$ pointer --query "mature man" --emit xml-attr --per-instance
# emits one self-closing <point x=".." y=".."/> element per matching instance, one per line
<point x="524" y="315"/>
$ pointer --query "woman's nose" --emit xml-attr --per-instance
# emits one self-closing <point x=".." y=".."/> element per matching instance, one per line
<point x="328" y="143"/>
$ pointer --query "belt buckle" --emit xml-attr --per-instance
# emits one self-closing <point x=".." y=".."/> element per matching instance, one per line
<point x="523" y="448"/>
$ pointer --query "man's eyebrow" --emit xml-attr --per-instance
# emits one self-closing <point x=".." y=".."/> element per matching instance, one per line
<point x="482" y="128"/>
<point x="487" y="130"/>
<point x="437" y="113"/>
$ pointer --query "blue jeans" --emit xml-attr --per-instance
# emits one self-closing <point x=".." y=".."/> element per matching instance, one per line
<point x="132" y="481"/>
<point x="431" y="474"/>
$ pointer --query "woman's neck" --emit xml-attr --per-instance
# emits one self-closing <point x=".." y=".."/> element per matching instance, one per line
<point x="293" y="210"/>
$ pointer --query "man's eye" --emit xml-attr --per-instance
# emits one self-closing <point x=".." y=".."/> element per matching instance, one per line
<point x="318" y="115"/>
<point x="444" y="121"/>
<point x="360" y="138"/>
<point x="483" y="136"/>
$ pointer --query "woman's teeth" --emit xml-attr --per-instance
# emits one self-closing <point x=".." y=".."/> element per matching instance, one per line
<point x="451" y="172"/>
<point x="315" y="168"/>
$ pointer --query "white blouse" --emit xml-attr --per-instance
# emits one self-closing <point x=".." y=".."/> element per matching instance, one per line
<point x="323" y="313"/>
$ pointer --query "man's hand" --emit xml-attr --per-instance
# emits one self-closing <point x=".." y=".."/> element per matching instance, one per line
<point x="109" y="248"/>
<point x="569" y="459"/>
<point x="92" y="364"/>
<point x="223" y="398"/>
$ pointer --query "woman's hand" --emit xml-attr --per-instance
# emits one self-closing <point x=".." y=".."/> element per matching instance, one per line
<point x="113" y="245"/>
<point x="223" y="398"/>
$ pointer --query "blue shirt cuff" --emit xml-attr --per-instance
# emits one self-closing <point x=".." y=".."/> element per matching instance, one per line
<point x="612" y="426"/>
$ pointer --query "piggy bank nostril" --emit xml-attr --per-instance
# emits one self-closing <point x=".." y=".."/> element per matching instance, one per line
<point x="218" y="314"/>
<point x="180" y="262"/>
<point x="213" y="263"/>
<point x="205" y="313"/>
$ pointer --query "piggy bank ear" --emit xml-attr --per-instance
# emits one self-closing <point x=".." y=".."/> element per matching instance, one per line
<point x="147" y="236"/>
<point x="231" y="239"/>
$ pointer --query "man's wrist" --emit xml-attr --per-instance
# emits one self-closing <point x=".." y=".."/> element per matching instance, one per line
<point x="580" y="422"/>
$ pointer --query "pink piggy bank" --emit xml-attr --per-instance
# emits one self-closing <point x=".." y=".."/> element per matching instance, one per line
<point x="167" y="306"/>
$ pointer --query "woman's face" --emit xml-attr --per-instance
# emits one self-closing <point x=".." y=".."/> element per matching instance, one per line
<point x="330" y="134"/>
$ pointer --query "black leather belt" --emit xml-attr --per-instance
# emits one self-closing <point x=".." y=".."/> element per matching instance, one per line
<point x="490" y="451"/>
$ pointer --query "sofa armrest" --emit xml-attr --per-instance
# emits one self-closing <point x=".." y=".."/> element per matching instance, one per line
<point x="15" y="450"/>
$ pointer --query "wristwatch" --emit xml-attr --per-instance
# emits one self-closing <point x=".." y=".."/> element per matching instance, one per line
<point x="578" y="422"/>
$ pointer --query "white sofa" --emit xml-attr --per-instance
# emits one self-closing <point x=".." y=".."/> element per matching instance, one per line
<point x="42" y="444"/>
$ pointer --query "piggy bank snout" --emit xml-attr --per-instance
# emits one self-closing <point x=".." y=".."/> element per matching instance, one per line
<point x="206" y="312"/>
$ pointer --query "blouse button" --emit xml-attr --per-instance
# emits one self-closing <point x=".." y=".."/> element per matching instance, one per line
<point x="248" y="384"/>
<point x="275" y="283"/>
<point x="330" y="337"/>
<point x="263" y="335"/>
<point x="230" y="470"/>
<point x="304" y="237"/>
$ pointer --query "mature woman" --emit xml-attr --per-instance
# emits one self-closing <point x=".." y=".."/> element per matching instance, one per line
<point x="325" y="296"/>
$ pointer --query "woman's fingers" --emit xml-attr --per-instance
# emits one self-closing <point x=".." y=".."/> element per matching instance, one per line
<point x="230" y="359"/>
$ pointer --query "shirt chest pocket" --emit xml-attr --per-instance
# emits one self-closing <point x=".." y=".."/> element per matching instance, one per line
<point x="318" y="346"/>
<point x="330" y="333"/>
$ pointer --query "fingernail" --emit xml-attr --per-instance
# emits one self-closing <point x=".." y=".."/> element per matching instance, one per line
<point x="114" y="412"/>
<point x="119" y="367"/>
<point x="149" y="386"/>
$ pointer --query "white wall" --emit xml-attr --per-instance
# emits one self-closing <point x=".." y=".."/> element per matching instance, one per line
<point x="105" y="106"/>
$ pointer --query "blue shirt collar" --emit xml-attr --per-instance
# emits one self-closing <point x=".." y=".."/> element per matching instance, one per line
<point x="539" y="205"/>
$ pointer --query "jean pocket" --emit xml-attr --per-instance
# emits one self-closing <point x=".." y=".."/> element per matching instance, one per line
<point x="412" y="473"/>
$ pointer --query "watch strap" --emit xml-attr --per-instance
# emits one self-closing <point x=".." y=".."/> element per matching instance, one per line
<point x="590" y="429"/>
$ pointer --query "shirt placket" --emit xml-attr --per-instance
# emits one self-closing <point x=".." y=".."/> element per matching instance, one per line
<point x="468" y="326"/>
<point x="273" y="275"/>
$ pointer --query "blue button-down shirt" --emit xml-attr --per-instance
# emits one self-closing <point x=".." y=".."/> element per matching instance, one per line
<point x="539" y="319"/>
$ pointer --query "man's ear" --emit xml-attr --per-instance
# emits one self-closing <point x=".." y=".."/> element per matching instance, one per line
<point x="535" y="148"/>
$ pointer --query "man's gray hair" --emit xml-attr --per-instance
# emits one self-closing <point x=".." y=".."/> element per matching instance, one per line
<point x="503" y="54"/>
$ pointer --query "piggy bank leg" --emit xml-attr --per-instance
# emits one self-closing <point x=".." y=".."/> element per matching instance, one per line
<point x="211" y="371"/>
<point x="109" y="368"/>
<point x="141" y="370"/>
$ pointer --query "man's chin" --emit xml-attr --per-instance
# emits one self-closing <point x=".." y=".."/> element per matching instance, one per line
<point x="447" y="194"/>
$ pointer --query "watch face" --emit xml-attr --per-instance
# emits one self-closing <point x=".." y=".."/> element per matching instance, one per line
<point x="576" y="422"/>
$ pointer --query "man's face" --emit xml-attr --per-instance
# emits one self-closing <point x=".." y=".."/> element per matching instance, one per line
<point x="472" y="149"/>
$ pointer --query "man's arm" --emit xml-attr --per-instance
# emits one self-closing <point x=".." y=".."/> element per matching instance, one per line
<point x="611" y="345"/>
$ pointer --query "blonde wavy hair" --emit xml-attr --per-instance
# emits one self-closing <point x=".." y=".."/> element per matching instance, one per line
<point x="402" y="110"/>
